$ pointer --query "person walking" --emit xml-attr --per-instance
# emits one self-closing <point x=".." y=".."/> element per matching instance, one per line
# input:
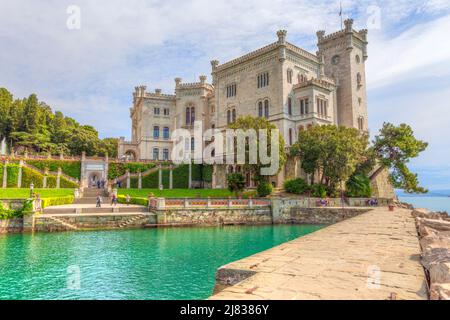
<point x="128" y="199"/>
<point x="99" y="201"/>
<point x="114" y="200"/>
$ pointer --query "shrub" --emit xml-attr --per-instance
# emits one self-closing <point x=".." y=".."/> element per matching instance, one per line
<point x="29" y="176"/>
<point x="264" y="189"/>
<point x="296" y="186"/>
<point x="358" y="186"/>
<point x="13" y="175"/>
<point x="319" y="191"/>
<point x="68" y="167"/>
<point x="10" y="213"/>
<point x="133" y="200"/>
<point x="117" y="169"/>
<point x="236" y="183"/>
<point x="57" y="201"/>
<point x="67" y="184"/>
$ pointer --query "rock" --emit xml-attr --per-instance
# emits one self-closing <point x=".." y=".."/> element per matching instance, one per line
<point x="420" y="213"/>
<point x="440" y="291"/>
<point x="434" y="241"/>
<point x="440" y="273"/>
<point x="435" y="256"/>
<point x="438" y="225"/>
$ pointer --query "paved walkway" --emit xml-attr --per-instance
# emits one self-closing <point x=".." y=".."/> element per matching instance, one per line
<point x="338" y="262"/>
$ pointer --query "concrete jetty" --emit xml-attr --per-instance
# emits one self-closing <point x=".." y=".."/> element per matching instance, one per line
<point x="375" y="255"/>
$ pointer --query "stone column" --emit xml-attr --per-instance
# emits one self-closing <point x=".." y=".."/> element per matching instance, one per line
<point x="58" y="178"/>
<point x="19" y="176"/>
<point x="128" y="180"/>
<point x="159" y="176"/>
<point x="5" y="174"/>
<point x="190" y="175"/>
<point x="161" y="203"/>
<point x="83" y="179"/>
<point x="171" y="178"/>
<point x="139" y="180"/>
<point x="44" y="182"/>
<point x="61" y="156"/>
<point x="250" y="202"/>
<point x="25" y="155"/>
<point x="213" y="180"/>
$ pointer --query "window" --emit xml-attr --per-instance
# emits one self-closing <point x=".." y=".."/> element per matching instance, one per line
<point x="301" y="78"/>
<point x="289" y="76"/>
<point x="260" y="109"/>
<point x="359" y="79"/>
<point x="156" y="132"/>
<point x="304" y="106"/>
<point x="322" y="107"/>
<point x="233" y="115"/>
<point x="358" y="59"/>
<point x="290" y="106"/>
<point x="165" y="154"/>
<point x="190" y="115"/>
<point x="266" y="108"/>
<point x="263" y="80"/>
<point x="213" y="109"/>
<point x="155" y="154"/>
<point x="156" y="111"/>
<point x="290" y="137"/>
<point x="166" y="111"/>
<point x="228" y="116"/>
<point x="231" y="90"/>
<point x="166" y="133"/>
<point x="361" y="123"/>
<point x="192" y="144"/>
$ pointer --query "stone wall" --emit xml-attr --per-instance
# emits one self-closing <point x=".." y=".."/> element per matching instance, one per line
<point x="319" y="215"/>
<point x="13" y="204"/>
<point x="213" y="217"/>
<point x="381" y="186"/>
<point x="45" y="223"/>
<point x="14" y="225"/>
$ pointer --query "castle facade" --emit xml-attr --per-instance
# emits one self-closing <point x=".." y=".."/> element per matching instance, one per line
<point x="291" y="87"/>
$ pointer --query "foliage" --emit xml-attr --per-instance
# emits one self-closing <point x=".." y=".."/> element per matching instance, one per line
<point x="30" y="123"/>
<point x="358" y="186"/>
<point x="24" y="193"/>
<point x="296" y="186"/>
<point x="68" y="167"/>
<point x="57" y="201"/>
<point x="29" y="176"/>
<point x="133" y="200"/>
<point x="117" y="169"/>
<point x="264" y="189"/>
<point x="247" y="123"/>
<point x="236" y="183"/>
<point x="10" y="213"/>
<point x="395" y="146"/>
<point x="318" y="191"/>
<point x="333" y="151"/>
<point x="13" y="175"/>
<point x="176" y="193"/>
<point x="66" y="184"/>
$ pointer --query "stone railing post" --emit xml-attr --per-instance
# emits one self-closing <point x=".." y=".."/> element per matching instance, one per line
<point x="61" y="156"/>
<point x="19" y="176"/>
<point x="139" y="180"/>
<point x="128" y="179"/>
<point x="161" y="204"/>
<point x="229" y="202"/>
<point x="171" y="178"/>
<point x="250" y="202"/>
<point x="44" y="179"/>
<point x="159" y="176"/>
<point x="25" y="155"/>
<point x="76" y="193"/>
<point x="58" y="178"/>
<point x="208" y="203"/>
<point x="5" y="174"/>
<point x="186" y="202"/>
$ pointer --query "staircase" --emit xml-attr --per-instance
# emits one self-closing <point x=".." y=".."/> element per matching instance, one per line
<point x="63" y="223"/>
<point x="89" y="196"/>
<point x="131" y="221"/>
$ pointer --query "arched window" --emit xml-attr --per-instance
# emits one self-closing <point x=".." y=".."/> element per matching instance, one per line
<point x="228" y="116"/>
<point x="233" y="113"/>
<point x="290" y="106"/>
<point x="192" y="115"/>
<point x="266" y="108"/>
<point x="289" y="76"/>
<point x="361" y="123"/>
<point x="166" y="133"/>
<point x="165" y="154"/>
<point x="260" y="109"/>
<point x="290" y="137"/>
<point x="188" y="116"/>
<point x="155" y="154"/>
<point x="156" y="132"/>
<point x="192" y="143"/>
<point x="359" y="79"/>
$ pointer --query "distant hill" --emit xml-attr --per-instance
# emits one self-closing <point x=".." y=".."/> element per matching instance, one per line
<point x="431" y="193"/>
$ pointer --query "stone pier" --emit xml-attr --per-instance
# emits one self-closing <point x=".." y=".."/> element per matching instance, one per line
<point x="375" y="255"/>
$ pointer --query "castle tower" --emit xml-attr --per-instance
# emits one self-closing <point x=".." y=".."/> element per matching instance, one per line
<point x="344" y="54"/>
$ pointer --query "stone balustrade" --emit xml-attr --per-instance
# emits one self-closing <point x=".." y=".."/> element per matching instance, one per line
<point x="166" y="204"/>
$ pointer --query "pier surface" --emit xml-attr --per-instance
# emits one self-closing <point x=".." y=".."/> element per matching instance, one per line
<point x="375" y="255"/>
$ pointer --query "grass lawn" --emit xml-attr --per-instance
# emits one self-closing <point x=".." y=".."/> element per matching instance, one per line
<point x="177" y="193"/>
<point x="14" y="193"/>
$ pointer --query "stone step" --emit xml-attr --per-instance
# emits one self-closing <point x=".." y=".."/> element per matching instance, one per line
<point x="91" y="200"/>
<point x="56" y="210"/>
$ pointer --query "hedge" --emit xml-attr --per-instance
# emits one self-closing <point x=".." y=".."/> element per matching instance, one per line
<point x="13" y="175"/>
<point x="117" y="169"/>
<point x="67" y="184"/>
<point x="68" y="167"/>
<point x="57" y="201"/>
<point x="137" y="201"/>
<point x="29" y="176"/>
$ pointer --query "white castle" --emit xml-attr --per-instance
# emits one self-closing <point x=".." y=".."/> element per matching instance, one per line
<point x="291" y="87"/>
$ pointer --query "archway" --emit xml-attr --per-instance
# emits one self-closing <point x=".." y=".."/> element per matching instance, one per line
<point x="130" y="155"/>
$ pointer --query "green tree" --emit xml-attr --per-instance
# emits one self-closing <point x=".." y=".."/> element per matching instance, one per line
<point x="394" y="147"/>
<point x="332" y="152"/>
<point x="236" y="183"/>
<point x="247" y="123"/>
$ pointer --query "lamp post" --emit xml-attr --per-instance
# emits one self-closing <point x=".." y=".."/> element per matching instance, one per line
<point x="31" y="189"/>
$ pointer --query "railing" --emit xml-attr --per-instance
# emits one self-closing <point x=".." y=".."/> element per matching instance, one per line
<point x="179" y="203"/>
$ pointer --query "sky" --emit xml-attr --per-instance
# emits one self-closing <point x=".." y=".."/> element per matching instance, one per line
<point x="88" y="67"/>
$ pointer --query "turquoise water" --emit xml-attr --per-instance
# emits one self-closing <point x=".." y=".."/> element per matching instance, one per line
<point x="431" y="203"/>
<point x="177" y="263"/>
